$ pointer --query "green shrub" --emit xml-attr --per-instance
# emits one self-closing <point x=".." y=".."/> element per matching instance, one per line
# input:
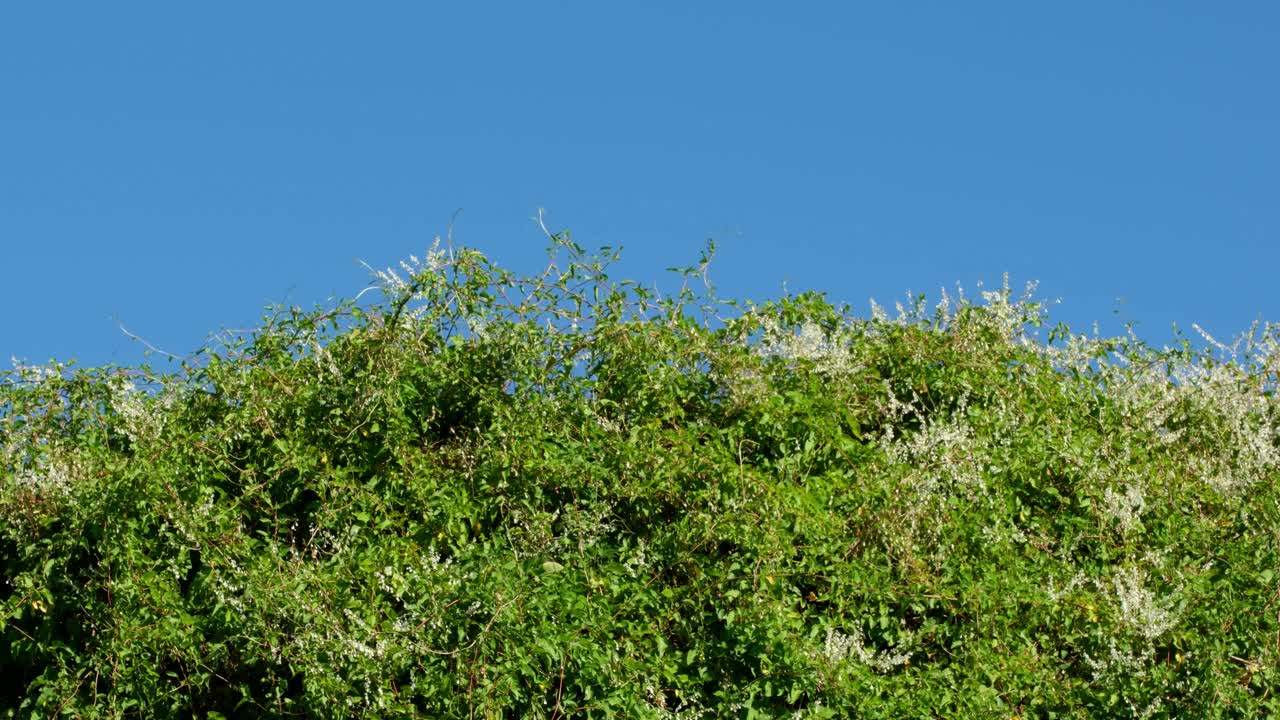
<point x="491" y="496"/>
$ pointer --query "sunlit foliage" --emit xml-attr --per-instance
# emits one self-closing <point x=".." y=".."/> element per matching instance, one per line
<point x="477" y="495"/>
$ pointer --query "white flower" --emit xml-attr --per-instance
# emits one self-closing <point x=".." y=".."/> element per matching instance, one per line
<point x="143" y="417"/>
<point x="1139" y="607"/>
<point x="831" y="355"/>
<point x="839" y="647"/>
<point x="36" y="374"/>
<point x="1125" y="509"/>
<point x="48" y="477"/>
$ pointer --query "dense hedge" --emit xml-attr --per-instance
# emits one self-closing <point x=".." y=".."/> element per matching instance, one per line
<point x="487" y="496"/>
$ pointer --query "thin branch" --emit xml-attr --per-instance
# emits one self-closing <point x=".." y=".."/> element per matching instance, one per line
<point x="150" y="347"/>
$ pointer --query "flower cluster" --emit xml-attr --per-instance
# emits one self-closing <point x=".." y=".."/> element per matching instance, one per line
<point x="1139" y="607"/>
<point x="142" y="417"/>
<point x="1125" y="508"/>
<point x="48" y="477"/>
<point x="829" y="353"/>
<point x="838" y="647"/>
<point x="433" y="262"/>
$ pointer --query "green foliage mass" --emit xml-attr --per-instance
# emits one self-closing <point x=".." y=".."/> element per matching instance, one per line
<point x="490" y="496"/>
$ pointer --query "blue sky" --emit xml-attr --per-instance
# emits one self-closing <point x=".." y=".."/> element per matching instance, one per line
<point x="175" y="167"/>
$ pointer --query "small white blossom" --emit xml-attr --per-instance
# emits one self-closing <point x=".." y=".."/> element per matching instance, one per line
<point x="1055" y="594"/>
<point x="1125" y="508"/>
<point x="1124" y="663"/>
<point x="36" y="374"/>
<point x="416" y="272"/>
<point x="1139" y="607"/>
<point x="839" y="647"/>
<point x="832" y="355"/>
<point x="141" y="421"/>
<point x="48" y="477"/>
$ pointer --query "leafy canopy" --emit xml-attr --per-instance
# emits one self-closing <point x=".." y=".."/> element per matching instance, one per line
<point x="477" y="494"/>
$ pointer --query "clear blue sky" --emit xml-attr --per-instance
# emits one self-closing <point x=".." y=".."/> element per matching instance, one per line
<point x="178" y="166"/>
